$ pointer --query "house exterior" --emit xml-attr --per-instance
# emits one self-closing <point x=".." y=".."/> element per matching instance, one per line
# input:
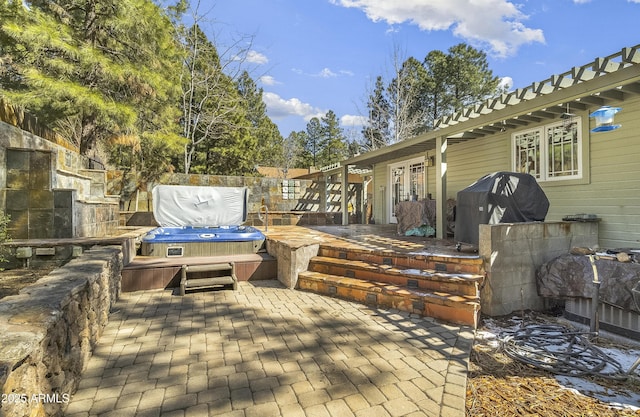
<point x="545" y="130"/>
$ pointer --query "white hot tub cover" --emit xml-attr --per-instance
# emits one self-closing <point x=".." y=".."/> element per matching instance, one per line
<point x="182" y="205"/>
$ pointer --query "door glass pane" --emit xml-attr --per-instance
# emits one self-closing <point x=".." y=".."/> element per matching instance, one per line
<point x="397" y="187"/>
<point x="416" y="181"/>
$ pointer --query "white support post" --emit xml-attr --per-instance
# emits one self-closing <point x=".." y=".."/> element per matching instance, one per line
<point x="344" y="195"/>
<point x="441" y="187"/>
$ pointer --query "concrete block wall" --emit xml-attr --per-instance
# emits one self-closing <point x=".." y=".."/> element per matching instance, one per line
<point x="512" y="252"/>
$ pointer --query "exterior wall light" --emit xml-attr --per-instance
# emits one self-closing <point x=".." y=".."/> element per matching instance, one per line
<point x="604" y="119"/>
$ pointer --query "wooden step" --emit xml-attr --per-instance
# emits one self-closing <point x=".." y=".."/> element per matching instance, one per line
<point x="469" y="264"/>
<point x="451" y="308"/>
<point x="208" y="268"/>
<point x="202" y="283"/>
<point x="423" y="279"/>
<point x="208" y="276"/>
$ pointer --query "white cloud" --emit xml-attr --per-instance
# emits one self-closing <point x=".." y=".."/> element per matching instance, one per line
<point x="352" y="120"/>
<point x="496" y="23"/>
<point x="324" y="73"/>
<point x="268" y="80"/>
<point x="277" y="107"/>
<point x="506" y="83"/>
<point x="256" y="57"/>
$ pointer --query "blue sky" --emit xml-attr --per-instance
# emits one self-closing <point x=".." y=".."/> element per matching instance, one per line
<point x="311" y="56"/>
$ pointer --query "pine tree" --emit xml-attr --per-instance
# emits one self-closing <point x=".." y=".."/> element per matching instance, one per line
<point x="98" y="67"/>
<point x="470" y="79"/>
<point x="376" y="132"/>
<point x="333" y="147"/>
<point x="269" y="150"/>
<point x="457" y="79"/>
<point x="420" y="93"/>
<point x="312" y="143"/>
<point x="435" y="93"/>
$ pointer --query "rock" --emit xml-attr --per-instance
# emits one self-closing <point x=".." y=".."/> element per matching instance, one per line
<point x="623" y="257"/>
<point x="581" y="251"/>
<point x="570" y="276"/>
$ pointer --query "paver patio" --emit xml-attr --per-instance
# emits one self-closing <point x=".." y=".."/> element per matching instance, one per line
<point x="265" y="350"/>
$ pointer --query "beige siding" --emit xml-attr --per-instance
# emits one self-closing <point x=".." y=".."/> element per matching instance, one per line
<point x="613" y="190"/>
<point x="468" y="161"/>
<point x="610" y="187"/>
<point x="380" y="181"/>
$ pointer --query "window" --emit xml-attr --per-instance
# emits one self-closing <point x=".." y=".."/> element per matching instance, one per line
<point x="416" y="181"/>
<point x="551" y="152"/>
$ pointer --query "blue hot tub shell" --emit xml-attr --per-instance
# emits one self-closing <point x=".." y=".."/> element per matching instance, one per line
<point x="187" y="234"/>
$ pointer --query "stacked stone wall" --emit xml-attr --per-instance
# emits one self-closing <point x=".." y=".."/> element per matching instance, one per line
<point x="50" y="329"/>
<point x="276" y="193"/>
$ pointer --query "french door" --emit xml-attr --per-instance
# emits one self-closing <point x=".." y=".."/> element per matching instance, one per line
<point x="406" y="183"/>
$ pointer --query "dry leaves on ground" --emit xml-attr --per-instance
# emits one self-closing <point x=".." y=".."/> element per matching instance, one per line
<point x="13" y="280"/>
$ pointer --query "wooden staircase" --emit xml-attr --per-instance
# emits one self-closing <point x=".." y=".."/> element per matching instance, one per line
<point x="440" y="286"/>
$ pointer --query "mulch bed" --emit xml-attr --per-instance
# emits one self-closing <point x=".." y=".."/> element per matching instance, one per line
<point x="13" y="280"/>
<point x="500" y="386"/>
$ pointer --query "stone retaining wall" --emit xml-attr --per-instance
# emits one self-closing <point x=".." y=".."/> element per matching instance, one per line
<point x="50" y="329"/>
<point x="275" y="193"/>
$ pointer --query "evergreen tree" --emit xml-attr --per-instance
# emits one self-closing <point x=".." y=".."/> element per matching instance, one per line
<point x="312" y="143"/>
<point x="420" y="93"/>
<point x="457" y="79"/>
<point x="469" y="78"/>
<point x="323" y="143"/>
<point x="98" y="67"/>
<point x="333" y="147"/>
<point x="376" y="132"/>
<point x="304" y="159"/>
<point x="269" y="150"/>
<point x="435" y="91"/>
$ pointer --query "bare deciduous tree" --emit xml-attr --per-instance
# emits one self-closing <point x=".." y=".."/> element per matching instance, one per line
<point x="210" y="102"/>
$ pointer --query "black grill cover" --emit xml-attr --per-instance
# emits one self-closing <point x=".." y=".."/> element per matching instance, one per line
<point x="501" y="197"/>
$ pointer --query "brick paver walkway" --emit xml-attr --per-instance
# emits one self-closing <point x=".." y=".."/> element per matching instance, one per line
<point x="269" y="351"/>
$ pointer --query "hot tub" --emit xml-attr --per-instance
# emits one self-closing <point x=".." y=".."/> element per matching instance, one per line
<point x="187" y="215"/>
<point x="202" y="241"/>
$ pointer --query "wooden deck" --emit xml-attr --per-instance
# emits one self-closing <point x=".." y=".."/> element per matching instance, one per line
<point x="147" y="272"/>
